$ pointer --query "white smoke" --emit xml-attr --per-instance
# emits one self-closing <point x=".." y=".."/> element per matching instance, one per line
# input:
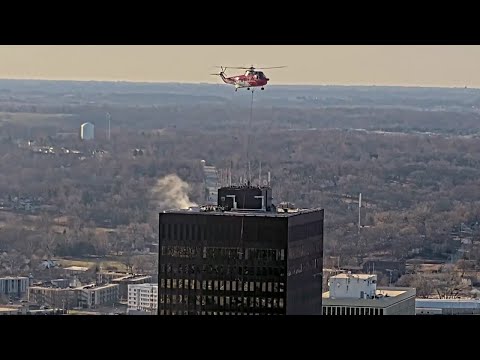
<point x="171" y="192"/>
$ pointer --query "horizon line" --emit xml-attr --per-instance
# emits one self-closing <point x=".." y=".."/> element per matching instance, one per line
<point x="153" y="82"/>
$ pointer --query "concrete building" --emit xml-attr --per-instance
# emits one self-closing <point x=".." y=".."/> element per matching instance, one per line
<point x="105" y="277"/>
<point x="87" y="296"/>
<point x="143" y="298"/>
<point x="357" y="294"/>
<point x="87" y="131"/>
<point x="130" y="279"/>
<point x="76" y="270"/>
<point x="10" y="310"/>
<point x="391" y="268"/>
<point x="447" y="306"/>
<point x="210" y="183"/>
<point x="14" y="286"/>
<point x="244" y="256"/>
<point x="52" y="296"/>
<point x="91" y="296"/>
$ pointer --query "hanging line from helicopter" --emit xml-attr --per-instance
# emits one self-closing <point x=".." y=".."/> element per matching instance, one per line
<point x="249" y="130"/>
<point x="251" y="79"/>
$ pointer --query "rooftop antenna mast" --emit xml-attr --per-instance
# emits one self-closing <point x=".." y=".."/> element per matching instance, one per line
<point x="260" y="175"/>
<point x="108" y="117"/>
<point x="359" y="211"/>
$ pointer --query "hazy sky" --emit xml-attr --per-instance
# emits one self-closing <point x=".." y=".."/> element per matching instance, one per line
<point x="455" y="65"/>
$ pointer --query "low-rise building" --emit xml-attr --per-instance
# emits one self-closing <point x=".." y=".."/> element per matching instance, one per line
<point x="143" y="298"/>
<point x="14" y="286"/>
<point x="131" y="279"/>
<point x="447" y="306"/>
<point x="11" y="310"/>
<point x="55" y="297"/>
<point x="76" y="270"/>
<point x="105" y="277"/>
<point x="91" y="296"/>
<point x="357" y="294"/>
<point x="58" y="294"/>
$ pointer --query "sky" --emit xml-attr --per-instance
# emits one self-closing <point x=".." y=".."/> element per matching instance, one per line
<point x="443" y="66"/>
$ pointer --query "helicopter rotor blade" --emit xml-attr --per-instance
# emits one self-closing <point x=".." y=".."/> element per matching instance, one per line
<point x="273" y="67"/>
<point x="250" y="67"/>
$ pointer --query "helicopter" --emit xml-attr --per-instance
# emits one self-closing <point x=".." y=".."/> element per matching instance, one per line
<point x="251" y="78"/>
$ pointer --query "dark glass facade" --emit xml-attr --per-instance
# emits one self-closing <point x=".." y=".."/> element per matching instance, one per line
<point x="240" y="263"/>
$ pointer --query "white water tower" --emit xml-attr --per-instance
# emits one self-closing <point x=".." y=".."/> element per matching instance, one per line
<point x="87" y="131"/>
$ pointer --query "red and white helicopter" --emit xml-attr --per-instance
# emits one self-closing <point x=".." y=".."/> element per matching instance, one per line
<point x="251" y="78"/>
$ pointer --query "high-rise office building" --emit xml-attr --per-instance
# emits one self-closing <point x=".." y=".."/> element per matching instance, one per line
<point x="243" y="256"/>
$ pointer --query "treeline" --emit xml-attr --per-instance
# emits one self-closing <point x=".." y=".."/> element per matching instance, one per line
<point x="415" y="187"/>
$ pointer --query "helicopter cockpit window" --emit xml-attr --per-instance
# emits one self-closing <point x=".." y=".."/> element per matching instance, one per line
<point x="261" y="75"/>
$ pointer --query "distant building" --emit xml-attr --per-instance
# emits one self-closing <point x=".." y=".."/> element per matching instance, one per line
<point x="143" y="297"/>
<point x="4" y="310"/>
<point x="87" y="296"/>
<point x="391" y="268"/>
<point x="447" y="306"/>
<point x="210" y="183"/>
<point x="91" y="296"/>
<point x="357" y="294"/>
<point x="87" y="131"/>
<point x="61" y="283"/>
<point x="130" y="279"/>
<point x="16" y="286"/>
<point x="104" y="277"/>
<point x="54" y="297"/>
<point x="76" y="270"/>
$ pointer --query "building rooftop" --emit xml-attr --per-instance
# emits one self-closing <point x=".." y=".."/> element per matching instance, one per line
<point x="447" y="303"/>
<point x="257" y="213"/>
<point x="77" y="268"/>
<point x="13" y="277"/>
<point x="94" y="286"/>
<point x="381" y="293"/>
<point x="50" y="286"/>
<point x="8" y="309"/>
<point x="146" y="285"/>
<point x="354" y="276"/>
<point x="385" y="297"/>
<point x="245" y="200"/>
<point x="132" y="277"/>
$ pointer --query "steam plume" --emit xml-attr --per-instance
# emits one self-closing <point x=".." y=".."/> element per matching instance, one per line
<point x="171" y="192"/>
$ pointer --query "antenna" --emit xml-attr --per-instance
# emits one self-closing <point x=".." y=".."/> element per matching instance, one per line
<point x="359" y="210"/>
<point x="268" y="178"/>
<point x="260" y="175"/>
<point x="108" y="117"/>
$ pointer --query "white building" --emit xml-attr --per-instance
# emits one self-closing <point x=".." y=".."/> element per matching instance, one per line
<point x="87" y="131"/>
<point x="143" y="297"/>
<point x="353" y="286"/>
<point x="14" y="285"/>
<point x="357" y="294"/>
